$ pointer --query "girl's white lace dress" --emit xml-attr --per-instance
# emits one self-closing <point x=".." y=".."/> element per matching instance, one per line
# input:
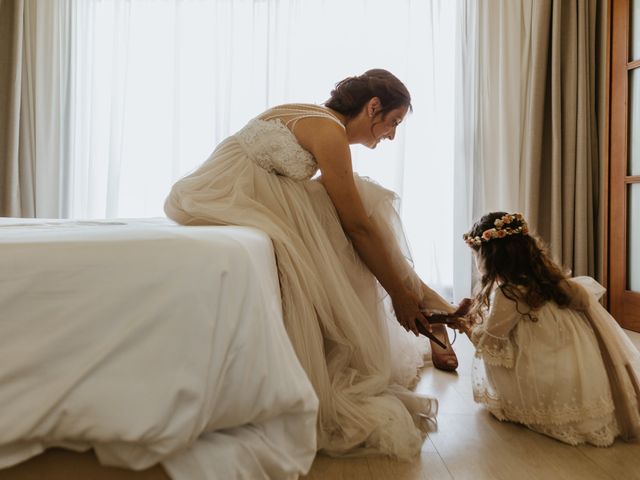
<point x="359" y="359"/>
<point x="570" y="373"/>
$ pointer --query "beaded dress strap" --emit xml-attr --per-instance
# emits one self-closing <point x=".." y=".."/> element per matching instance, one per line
<point x="298" y="111"/>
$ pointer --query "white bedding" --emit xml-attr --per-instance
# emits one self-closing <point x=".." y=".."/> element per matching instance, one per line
<point x="150" y="342"/>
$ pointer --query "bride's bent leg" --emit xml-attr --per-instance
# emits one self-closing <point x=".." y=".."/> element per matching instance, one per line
<point x="380" y="204"/>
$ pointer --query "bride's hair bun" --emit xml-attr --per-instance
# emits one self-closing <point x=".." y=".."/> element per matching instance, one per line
<point x="351" y="94"/>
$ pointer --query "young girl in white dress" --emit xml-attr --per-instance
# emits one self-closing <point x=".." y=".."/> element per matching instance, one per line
<point x="548" y="355"/>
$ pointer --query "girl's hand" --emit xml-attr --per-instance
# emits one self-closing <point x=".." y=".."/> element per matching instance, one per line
<point x="463" y="308"/>
<point x="409" y="310"/>
<point x="460" y="321"/>
<point x="453" y="319"/>
<point x="463" y="325"/>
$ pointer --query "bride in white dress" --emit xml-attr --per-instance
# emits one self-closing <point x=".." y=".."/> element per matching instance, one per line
<point x="342" y="260"/>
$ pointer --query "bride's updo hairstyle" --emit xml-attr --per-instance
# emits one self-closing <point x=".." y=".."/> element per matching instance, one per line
<point x="351" y="94"/>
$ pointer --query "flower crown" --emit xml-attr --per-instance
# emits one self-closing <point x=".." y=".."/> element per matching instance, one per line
<point x="502" y="229"/>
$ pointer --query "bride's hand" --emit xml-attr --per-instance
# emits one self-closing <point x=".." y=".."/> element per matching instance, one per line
<point x="409" y="310"/>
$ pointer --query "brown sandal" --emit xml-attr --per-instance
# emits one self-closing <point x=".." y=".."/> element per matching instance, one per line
<point x="442" y="354"/>
<point x="443" y="358"/>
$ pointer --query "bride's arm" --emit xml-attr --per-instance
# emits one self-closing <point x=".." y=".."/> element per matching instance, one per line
<point x="328" y="144"/>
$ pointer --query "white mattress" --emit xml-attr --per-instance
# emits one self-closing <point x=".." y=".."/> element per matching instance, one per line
<point x="150" y="342"/>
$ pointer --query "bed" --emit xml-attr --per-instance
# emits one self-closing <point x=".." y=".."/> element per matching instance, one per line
<point x="152" y="346"/>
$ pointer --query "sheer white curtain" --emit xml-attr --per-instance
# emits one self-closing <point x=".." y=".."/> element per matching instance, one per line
<point x="156" y="84"/>
<point x="493" y="58"/>
<point x="494" y="96"/>
<point x="530" y="120"/>
<point x="488" y="119"/>
<point x="465" y="145"/>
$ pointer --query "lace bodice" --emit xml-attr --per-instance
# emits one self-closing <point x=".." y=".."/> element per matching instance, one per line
<point x="271" y="144"/>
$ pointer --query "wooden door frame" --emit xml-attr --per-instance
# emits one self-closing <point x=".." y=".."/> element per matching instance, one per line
<point x="624" y="305"/>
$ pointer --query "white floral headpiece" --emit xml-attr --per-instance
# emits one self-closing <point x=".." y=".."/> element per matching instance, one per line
<point x="502" y="229"/>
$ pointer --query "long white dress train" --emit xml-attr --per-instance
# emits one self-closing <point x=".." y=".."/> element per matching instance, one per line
<point x="358" y="358"/>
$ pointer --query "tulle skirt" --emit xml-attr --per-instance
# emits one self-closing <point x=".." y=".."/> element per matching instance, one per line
<point x="358" y="358"/>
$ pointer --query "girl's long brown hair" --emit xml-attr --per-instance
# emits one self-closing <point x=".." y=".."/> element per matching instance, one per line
<point x="521" y="266"/>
